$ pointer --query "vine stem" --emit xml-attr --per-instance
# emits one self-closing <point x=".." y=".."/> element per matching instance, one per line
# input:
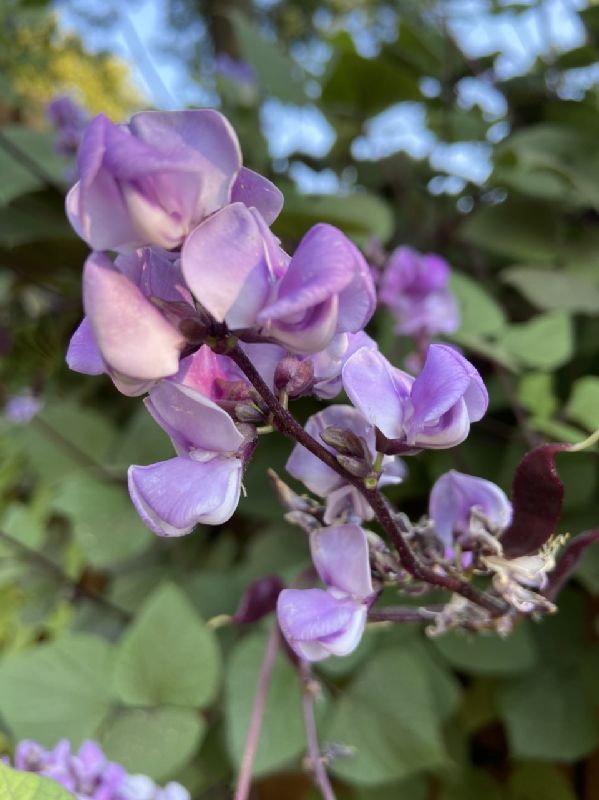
<point x="286" y="424"/>
<point x="403" y="614"/>
<point x="317" y="767"/>
<point x="244" y="780"/>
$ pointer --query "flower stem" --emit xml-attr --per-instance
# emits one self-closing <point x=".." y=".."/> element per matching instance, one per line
<point x="317" y="767"/>
<point x="244" y="781"/>
<point x="287" y="424"/>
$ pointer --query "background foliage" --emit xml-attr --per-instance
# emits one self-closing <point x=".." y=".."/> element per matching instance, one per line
<point x="103" y="627"/>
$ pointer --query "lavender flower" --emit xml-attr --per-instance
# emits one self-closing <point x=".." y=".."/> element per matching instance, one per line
<point x="318" y="623"/>
<point x="460" y="504"/>
<point x="89" y="775"/>
<point x="415" y="287"/>
<point x="433" y="410"/>
<point x="343" y="501"/>
<point x="152" y="181"/>
<point x="236" y="269"/>
<point x="125" y="332"/>
<point x="22" y="408"/>
<point x="203" y="482"/>
<point x="69" y="120"/>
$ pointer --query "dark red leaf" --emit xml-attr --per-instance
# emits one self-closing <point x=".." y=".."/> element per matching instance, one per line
<point x="537" y="495"/>
<point x="568" y="562"/>
<point x="260" y="599"/>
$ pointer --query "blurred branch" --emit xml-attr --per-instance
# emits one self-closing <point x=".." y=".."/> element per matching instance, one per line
<point x="316" y="762"/>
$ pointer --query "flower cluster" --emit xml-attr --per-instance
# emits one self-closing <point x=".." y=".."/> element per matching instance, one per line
<point x="203" y="311"/>
<point x="69" y="121"/>
<point x="414" y="286"/>
<point x="89" y="775"/>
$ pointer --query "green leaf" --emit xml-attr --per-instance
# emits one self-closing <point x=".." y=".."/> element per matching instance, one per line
<point x="277" y="74"/>
<point x="532" y="781"/>
<point x="488" y="654"/>
<point x="56" y="690"/>
<point x="583" y="404"/>
<point x="155" y="742"/>
<point x="168" y="656"/>
<point x="283" y="737"/>
<point x="366" y="86"/>
<point x="414" y="788"/>
<point x="388" y="716"/>
<point x="104" y="522"/>
<point x="548" y="715"/>
<point x="15" y="785"/>
<point x="546" y="342"/>
<point x="480" y="314"/>
<point x="37" y="146"/>
<point x="551" y="290"/>
<point x="536" y="394"/>
<point x="472" y="784"/>
<point x="65" y="438"/>
<point x="360" y="215"/>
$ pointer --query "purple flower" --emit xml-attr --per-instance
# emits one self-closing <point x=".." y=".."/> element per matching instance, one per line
<point x="236" y="269"/>
<point x="342" y="499"/>
<point x="433" y="410"/>
<point x="152" y="181"/>
<point x="125" y="331"/>
<point x="234" y="69"/>
<point x="89" y="775"/>
<point x="414" y="286"/>
<point x="318" y="623"/>
<point x="22" y="408"/>
<point x="460" y="503"/>
<point x="70" y="120"/>
<point x="203" y="482"/>
<point x="329" y="363"/>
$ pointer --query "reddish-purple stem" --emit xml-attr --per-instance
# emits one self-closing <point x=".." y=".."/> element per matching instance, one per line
<point x="317" y="767"/>
<point x="290" y="427"/>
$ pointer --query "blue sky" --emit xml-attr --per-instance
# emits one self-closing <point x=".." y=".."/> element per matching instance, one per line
<point x="518" y="38"/>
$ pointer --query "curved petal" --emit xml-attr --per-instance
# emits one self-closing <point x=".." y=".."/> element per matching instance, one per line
<point x="134" y="338"/>
<point x="83" y="354"/>
<point x="340" y="556"/>
<point x="323" y="265"/>
<point x="312" y="333"/>
<point x="449" y="430"/>
<point x="369" y="383"/>
<point x="174" y="496"/>
<point x="195" y="419"/>
<point x="357" y="302"/>
<point x="223" y="260"/>
<point x="446" y="377"/>
<point x="254" y="190"/>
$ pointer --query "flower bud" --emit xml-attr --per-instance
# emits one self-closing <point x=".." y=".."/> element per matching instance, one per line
<point x="259" y="599"/>
<point x="345" y="442"/>
<point x="248" y="412"/>
<point x="294" y="376"/>
<point x="355" y="466"/>
<point x="290" y="499"/>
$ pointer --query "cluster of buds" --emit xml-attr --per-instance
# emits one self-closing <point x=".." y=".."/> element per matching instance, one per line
<point x="89" y="775"/>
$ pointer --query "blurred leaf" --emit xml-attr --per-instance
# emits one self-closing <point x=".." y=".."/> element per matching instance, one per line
<point x="546" y="342"/>
<point x="522" y="231"/>
<point x="105" y="524"/>
<point x="277" y="74"/>
<point x="480" y="314"/>
<point x="415" y="788"/>
<point x="472" y="784"/>
<point x="64" y="437"/>
<point x="154" y="742"/>
<point x="360" y="215"/>
<point x="539" y="707"/>
<point x="365" y="86"/>
<point x="488" y="654"/>
<point x="168" y="655"/>
<point x="283" y="738"/>
<point x="141" y="442"/>
<point x="533" y="781"/>
<point x="16" y="785"/>
<point x="551" y="290"/>
<point x="17" y="177"/>
<point x="394" y="733"/>
<point x="583" y="404"/>
<point x="25" y="524"/>
<point x="56" y="690"/>
<point x="537" y="395"/>
<point x="32" y="218"/>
